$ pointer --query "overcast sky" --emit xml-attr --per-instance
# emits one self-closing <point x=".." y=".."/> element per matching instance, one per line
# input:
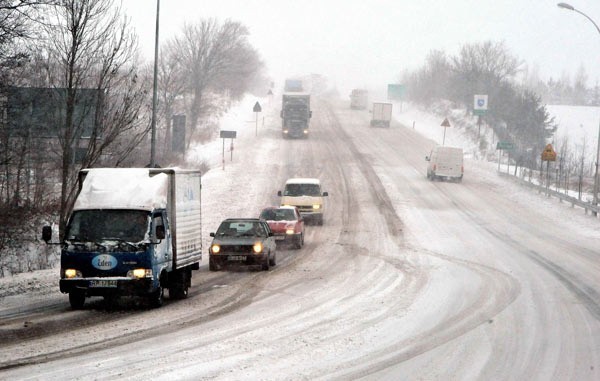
<point x="365" y="43"/>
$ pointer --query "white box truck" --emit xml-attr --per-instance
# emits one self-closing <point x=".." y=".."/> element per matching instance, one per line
<point x="132" y="232"/>
<point x="381" y="114"/>
<point x="359" y="99"/>
<point x="445" y="163"/>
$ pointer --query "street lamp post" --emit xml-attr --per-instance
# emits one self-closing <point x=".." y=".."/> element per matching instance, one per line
<point x="154" y="86"/>
<point x="595" y="200"/>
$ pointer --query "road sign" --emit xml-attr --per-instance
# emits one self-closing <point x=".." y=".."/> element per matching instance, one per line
<point x="549" y="154"/>
<point x="505" y="145"/>
<point x="396" y="92"/>
<point x="480" y="104"/>
<point x="228" y="134"/>
<point x="445" y="123"/>
<point x="257" y="107"/>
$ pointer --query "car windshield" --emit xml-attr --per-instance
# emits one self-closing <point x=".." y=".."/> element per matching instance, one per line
<point x="302" y="190"/>
<point x="278" y="215"/>
<point x="240" y="229"/>
<point x="100" y="224"/>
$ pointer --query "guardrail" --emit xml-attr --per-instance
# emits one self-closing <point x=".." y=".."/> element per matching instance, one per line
<point x="586" y="206"/>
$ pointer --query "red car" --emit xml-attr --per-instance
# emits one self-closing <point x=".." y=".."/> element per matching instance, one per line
<point x="286" y="223"/>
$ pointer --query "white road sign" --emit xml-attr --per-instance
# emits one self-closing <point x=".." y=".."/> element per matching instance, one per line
<point x="481" y="102"/>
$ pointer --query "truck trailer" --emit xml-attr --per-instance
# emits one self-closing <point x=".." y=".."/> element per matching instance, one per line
<point x="359" y="99"/>
<point x="295" y="115"/>
<point x="382" y="114"/>
<point x="132" y="232"/>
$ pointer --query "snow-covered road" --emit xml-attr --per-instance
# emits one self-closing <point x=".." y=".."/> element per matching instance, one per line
<point x="407" y="279"/>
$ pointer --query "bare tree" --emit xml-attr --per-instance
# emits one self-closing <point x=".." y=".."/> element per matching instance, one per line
<point x="91" y="55"/>
<point x="480" y="68"/>
<point x="216" y="58"/>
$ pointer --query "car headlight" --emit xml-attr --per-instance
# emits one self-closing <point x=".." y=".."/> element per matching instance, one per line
<point x="215" y="248"/>
<point x="257" y="247"/>
<point x="72" y="273"/>
<point x="139" y="273"/>
<point x="289" y="231"/>
<point x="316" y="206"/>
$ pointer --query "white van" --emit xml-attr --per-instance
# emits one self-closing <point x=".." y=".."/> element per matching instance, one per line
<point x="306" y="195"/>
<point x="445" y="163"/>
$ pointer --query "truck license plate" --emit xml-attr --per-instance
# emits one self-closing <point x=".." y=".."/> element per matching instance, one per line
<point x="103" y="283"/>
<point x="237" y="257"/>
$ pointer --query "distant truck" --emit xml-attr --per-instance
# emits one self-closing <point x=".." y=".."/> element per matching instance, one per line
<point x="295" y="115"/>
<point x="359" y="99"/>
<point x="132" y="232"/>
<point x="382" y="114"/>
<point x="445" y="163"/>
<point x="293" y="85"/>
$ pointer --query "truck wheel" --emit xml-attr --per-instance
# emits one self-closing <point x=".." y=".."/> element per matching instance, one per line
<point x="77" y="299"/>
<point x="320" y="220"/>
<point x="156" y="298"/>
<point x="179" y="289"/>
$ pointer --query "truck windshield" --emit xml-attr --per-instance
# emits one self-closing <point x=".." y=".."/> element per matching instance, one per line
<point x="100" y="224"/>
<point x="302" y="190"/>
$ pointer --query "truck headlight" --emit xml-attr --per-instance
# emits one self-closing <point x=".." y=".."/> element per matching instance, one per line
<point x="257" y="247"/>
<point x="140" y="273"/>
<point x="72" y="273"/>
<point x="316" y="206"/>
<point x="215" y="249"/>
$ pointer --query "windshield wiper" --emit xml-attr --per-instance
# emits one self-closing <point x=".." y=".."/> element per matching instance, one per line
<point x="83" y="242"/>
<point x="121" y="240"/>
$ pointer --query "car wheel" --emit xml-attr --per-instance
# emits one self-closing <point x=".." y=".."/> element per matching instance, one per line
<point x="273" y="260"/>
<point x="299" y="242"/>
<point x="265" y="264"/>
<point x="212" y="264"/>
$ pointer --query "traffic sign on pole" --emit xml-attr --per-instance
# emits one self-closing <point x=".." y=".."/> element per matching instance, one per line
<point x="480" y="104"/>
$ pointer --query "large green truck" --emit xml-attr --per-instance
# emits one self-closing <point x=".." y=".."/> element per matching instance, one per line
<point x="295" y="115"/>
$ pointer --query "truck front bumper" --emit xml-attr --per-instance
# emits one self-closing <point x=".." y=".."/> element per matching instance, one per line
<point x="110" y="286"/>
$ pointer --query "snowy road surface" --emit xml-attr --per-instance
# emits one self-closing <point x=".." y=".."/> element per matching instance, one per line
<point x="407" y="279"/>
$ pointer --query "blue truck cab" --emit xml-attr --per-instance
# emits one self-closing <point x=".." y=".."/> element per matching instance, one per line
<point x="132" y="232"/>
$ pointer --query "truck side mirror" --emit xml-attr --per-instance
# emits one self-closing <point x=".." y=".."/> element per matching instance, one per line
<point x="160" y="232"/>
<point x="279" y="193"/>
<point x="47" y="233"/>
<point x="325" y="194"/>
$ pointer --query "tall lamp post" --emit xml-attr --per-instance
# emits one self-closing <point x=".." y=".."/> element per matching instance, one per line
<point x="154" y="85"/>
<point x="571" y="8"/>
